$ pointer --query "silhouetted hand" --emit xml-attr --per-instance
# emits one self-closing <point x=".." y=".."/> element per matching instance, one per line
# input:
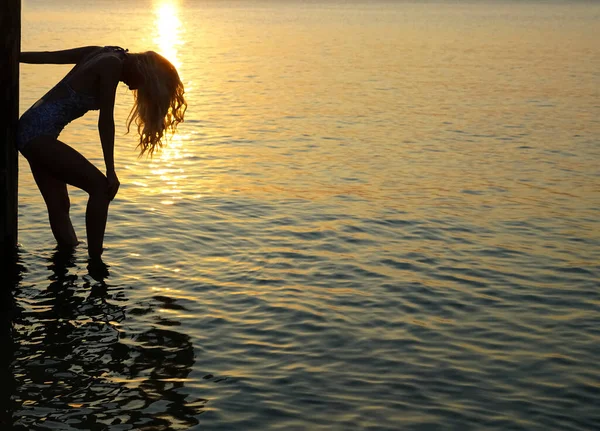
<point x="113" y="184"/>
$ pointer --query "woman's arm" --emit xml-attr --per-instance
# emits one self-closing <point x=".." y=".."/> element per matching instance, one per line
<point x="67" y="56"/>
<point x="110" y="74"/>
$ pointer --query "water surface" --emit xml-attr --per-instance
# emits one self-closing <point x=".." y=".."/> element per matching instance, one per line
<point x="377" y="215"/>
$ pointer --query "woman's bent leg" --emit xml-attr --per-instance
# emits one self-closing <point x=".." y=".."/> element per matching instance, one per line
<point x="95" y="223"/>
<point x="65" y="164"/>
<point x="57" y="201"/>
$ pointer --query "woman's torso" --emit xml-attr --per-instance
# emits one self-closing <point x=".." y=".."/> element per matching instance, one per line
<point x="83" y="78"/>
<point x="76" y="94"/>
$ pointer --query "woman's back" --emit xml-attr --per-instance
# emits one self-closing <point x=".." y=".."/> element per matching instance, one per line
<point x="83" y="77"/>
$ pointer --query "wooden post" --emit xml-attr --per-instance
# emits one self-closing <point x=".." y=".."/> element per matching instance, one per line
<point x="10" y="49"/>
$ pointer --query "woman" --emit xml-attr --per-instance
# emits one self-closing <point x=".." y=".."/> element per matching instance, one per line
<point x="159" y="106"/>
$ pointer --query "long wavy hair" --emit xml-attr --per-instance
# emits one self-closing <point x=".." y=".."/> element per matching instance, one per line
<point x="159" y="103"/>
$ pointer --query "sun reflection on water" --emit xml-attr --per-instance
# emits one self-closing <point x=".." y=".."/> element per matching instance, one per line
<point x="168" y="30"/>
<point x="168" y="40"/>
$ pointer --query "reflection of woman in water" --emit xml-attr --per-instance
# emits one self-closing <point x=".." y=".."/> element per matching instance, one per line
<point x="159" y="106"/>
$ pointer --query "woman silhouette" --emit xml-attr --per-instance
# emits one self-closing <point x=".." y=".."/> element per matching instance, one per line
<point x="159" y="106"/>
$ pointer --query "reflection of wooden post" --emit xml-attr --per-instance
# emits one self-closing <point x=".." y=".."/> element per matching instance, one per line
<point x="10" y="49"/>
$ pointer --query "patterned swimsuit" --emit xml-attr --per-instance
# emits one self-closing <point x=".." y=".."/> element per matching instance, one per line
<point x="49" y="117"/>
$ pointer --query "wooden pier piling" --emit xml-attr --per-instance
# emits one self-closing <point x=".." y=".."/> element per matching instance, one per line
<point x="10" y="48"/>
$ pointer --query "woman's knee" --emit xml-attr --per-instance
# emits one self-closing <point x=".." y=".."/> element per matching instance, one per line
<point x="99" y="188"/>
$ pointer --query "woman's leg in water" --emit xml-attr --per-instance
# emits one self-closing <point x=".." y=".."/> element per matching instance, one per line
<point x="54" y="192"/>
<point x="50" y="157"/>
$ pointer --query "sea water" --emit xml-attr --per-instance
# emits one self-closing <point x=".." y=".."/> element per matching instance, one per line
<point x="376" y="215"/>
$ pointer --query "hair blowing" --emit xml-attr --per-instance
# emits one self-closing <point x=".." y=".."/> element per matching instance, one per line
<point x="159" y="104"/>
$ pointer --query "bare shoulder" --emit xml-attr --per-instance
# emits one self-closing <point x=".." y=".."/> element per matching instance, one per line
<point x="108" y="67"/>
<point x="109" y="62"/>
